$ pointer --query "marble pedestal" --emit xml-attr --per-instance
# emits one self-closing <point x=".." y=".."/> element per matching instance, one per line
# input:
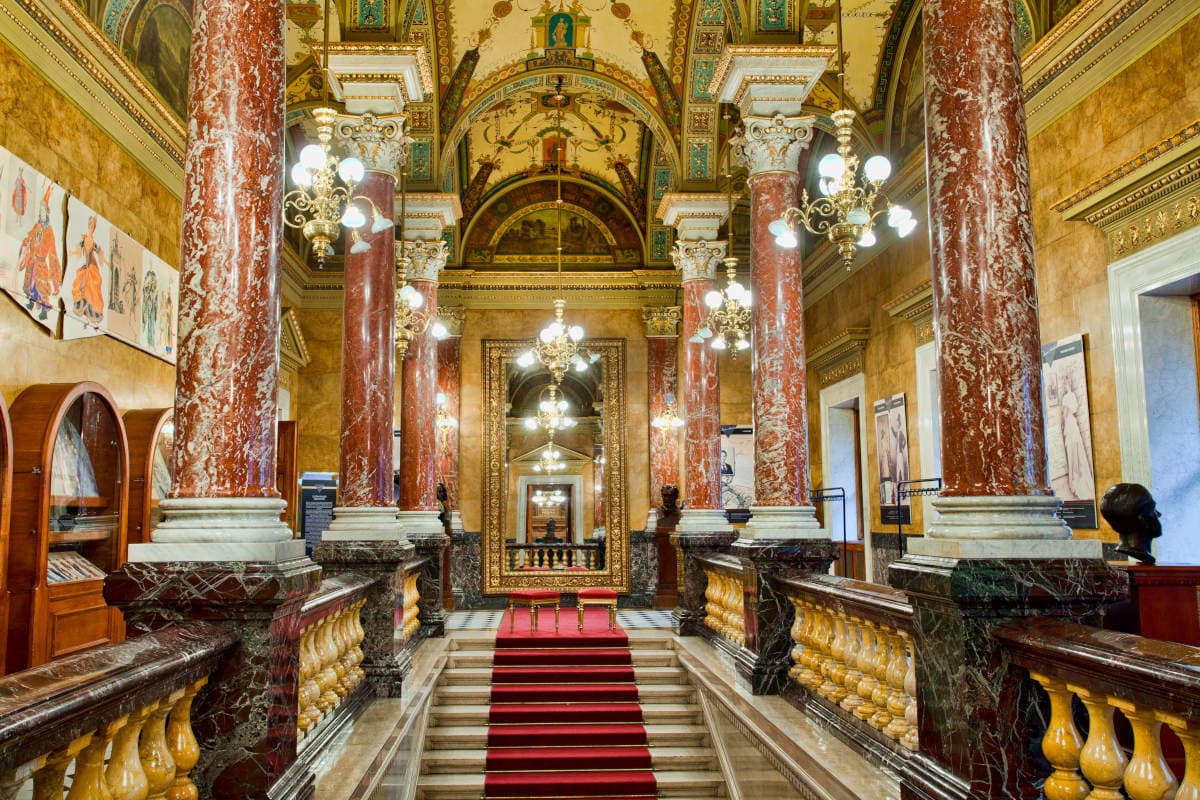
<point x="765" y="658"/>
<point x="690" y="546"/>
<point x="432" y="546"/>
<point x="977" y="715"/>
<point x="245" y="721"/>
<point x="384" y="663"/>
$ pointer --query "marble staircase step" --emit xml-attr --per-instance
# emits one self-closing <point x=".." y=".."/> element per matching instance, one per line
<point x="482" y="676"/>
<point x="469" y="659"/>
<point x="464" y="694"/>
<point x="474" y="737"/>
<point x="667" y="713"/>
<point x="663" y="758"/>
<point x="682" y="783"/>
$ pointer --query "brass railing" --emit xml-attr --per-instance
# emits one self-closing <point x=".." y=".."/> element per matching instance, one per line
<point x="116" y="719"/>
<point x="853" y="648"/>
<point x="1150" y="682"/>
<point x="724" y="606"/>
<point x="331" y="636"/>
<point x="564" y="555"/>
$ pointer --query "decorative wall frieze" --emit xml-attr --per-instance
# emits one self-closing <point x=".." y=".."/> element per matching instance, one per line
<point x="293" y="348"/>
<point x="1148" y="198"/>
<point x="698" y="260"/>
<point x="840" y="356"/>
<point x="773" y="144"/>
<point x="452" y="317"/>
<point x="662" y="320"/>
<point x="916" y="307"/>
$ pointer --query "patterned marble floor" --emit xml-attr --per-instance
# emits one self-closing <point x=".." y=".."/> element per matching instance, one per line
<point x="489" y="620"/>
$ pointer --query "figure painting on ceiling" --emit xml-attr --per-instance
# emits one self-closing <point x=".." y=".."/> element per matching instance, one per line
<point x="162" y="54"/>
<point x="536" y="233"/>
<point x="562" y="31"/>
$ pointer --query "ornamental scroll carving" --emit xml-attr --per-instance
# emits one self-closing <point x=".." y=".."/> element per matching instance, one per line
<point x="426" y="259"/>
<point x="773" y="144"/>
<point x="698" y="260"/>
<point x="379" y="142"/>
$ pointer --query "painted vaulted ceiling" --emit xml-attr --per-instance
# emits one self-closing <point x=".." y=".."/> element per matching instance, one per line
<point x="633" y="120"/>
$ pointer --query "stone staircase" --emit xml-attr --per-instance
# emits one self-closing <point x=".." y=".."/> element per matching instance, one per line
<point x="452" y="764"/>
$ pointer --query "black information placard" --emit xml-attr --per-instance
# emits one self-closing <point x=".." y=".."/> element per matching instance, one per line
<point x="317" y="499"/>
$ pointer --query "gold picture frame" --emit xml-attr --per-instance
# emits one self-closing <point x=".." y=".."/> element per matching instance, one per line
<point x="497" y="579"/>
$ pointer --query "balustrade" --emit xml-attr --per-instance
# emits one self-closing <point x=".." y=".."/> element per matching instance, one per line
<point x="117" y="719"/>
<point x="331" y="655"/>
<point x="853" y="648"/>
<point x="1150" y="682"/>
<point x="724" y="608"/>
<point x="410" y="619"/>
<point x="560" y="556"/>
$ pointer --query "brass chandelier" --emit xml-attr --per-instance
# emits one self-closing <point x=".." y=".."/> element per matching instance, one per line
<point x="847" y="210"/>
<point x="728" y="322"/>
<point x="551" y="459"/>
<point x="551" y="413"/>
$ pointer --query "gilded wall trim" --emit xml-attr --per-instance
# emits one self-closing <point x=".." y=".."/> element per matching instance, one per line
<point x="293" y="348"/>
<point x="839" y="357"/>
<point x="58" y="39"/>
<point x="497" y="579"/>
<point x="916" y="307"/>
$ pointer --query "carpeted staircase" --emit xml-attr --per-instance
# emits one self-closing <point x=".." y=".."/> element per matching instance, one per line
<point x="596" y="715"/>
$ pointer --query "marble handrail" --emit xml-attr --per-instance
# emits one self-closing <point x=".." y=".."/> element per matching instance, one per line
<point x="331" y="635"/>
<point x="557" y="555"/>
<point x="724" y="608"/>
<point x="853" y="648"/>
<point x="1150" y="682"/>
<point x="117" y="718"/>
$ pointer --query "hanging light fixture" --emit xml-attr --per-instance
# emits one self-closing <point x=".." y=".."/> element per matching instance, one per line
<point x="557" y="345"/>
<point x="318" y="206"/>
<point x="554" y="498"/>
<point x="728" y="323"/>
<point x="669" y="419"/>
<point x="445" y="424"/>
<point x="551" y="413"/>
<point x="847" y="210"/>
<point x="551" y="459"/>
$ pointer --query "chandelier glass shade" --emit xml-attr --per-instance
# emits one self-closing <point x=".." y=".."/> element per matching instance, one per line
<point x="551" y="414"/>
<point x="553" y="498"/>
<point x="551" y="459"/>
<point x="445" y="423"/>
<point x="669" y="419"/>
<point x="850" y="202"/>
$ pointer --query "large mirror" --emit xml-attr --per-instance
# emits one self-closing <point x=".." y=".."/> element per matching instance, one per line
<point x="554" y="490"/>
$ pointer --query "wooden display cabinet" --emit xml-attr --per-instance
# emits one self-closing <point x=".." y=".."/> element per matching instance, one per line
<point x="151" y="433"/>
<point x="69" y="491"/>
<point x="6" y="448"/>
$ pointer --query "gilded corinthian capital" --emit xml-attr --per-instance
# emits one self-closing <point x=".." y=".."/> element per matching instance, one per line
<point x="773" y="144"/>
<point x="661" y="320"/>
<point x="698" y="260"/>
<point x="379" y="142"/>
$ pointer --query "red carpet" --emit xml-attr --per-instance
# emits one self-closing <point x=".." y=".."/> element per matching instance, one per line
<point x="564" y="721"/>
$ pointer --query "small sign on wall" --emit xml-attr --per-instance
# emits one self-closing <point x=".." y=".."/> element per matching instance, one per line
<point x="1069" y="464"/>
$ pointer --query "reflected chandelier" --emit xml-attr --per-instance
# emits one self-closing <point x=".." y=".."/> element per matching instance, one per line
<point x="551" y="460"/>
<point x="669" y="418"/>
<point x="551" y="412"/>
<point x="847" y="210"/>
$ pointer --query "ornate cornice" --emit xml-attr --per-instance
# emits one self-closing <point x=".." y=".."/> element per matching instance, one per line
<point x="662" y="321"/>
<point x="839" y="357"/>
<point x="915" y="306"/>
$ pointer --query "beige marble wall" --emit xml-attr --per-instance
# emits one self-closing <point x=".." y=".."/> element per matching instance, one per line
<point x="42" y="128"/>
<point x="317" y="401"/>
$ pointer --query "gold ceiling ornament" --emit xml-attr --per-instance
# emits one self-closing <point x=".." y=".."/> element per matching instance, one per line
<point x="551" y="413"/>
<point x="847" y="210"/>
<point x="557" y="346"/>
<point x="728" y="323"/>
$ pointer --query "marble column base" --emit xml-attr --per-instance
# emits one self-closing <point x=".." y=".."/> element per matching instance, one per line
<point x="689" y="608"/>
<point x="429" y="581"/>
<point x="703" y="520"/>
<point x="220" y="529"/>
<point x="245" y="721"/>
<point x="977" y="715"/>
<point x="783" y="522"/>
<point x="652" y="520"/>
<point x="456" y="523"/>
<point x="380" y="560"/>
<point x="364" y="524"/>
<point x="766" y="656"/>
<point x="415" y="524"/>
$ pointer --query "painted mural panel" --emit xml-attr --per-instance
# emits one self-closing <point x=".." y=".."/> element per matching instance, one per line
<point x="162" y="50"/>
<point x="31" y="235"/>
<point x="537" y="234"/>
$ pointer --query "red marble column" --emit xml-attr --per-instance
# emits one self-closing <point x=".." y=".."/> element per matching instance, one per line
<point x="369" y="360"/>
<point x="449" y="384"/>
<point x="701" y="390"/>
<point x="662" y="366"/>
<point x="981" y="247"/>
<point x="418" y="428"/>
<point x="230" y="262"/>
<point x="770" y="149"/>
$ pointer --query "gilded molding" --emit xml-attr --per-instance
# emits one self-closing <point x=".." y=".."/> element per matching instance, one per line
<point x="293" y="348"/>
<point x="497" y="578"/>
<point x="916" y="307"/>
<point x="840" y="356"/>
<point x="418" y="52"/>
<point x="662" y="320"/>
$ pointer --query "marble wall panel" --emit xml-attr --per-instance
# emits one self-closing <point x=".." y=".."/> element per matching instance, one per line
<point x="319" y="391"/>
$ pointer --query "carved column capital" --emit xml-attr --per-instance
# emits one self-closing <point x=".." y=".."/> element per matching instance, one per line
<point x="452" y="317"/>
<point x="773" y="144"/>
<point x="698" y="260"/>
<point x="425" y="259"/>
<point x="379" y="142"/>
<point x="661" y="320"/>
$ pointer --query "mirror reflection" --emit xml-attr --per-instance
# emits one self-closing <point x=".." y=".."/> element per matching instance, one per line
<point x="554" y="468"/>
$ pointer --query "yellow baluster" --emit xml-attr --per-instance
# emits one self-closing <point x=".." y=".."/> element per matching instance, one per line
<point x="89" y="782"/>
<point x="797" y="633"/>
<point x="1102" y="760"/>
<point x="183" y="745"/>
<point x="810" y="659"/>
<point x="359" y="635"/>
<point x="1061" y="744"/>
<point x="48" y="781"/>
<point x="1147" y="776"/>
<point x="882" y="692"/>
<point x="853" y="650"/>
<point x="866" y="665"/>
<point x="837" y="668"/>
<point x="897" y="703"/>
<point x="824" y="639"/>
<point x="1188" y="732"/>
<point x="341" y="641"/>
<point x="910" y="738"/>
<point x="126" y="778"/>
<point x="157" y="760"/>
<point x="307" y="714"/>
<point x="327" y="677"/>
